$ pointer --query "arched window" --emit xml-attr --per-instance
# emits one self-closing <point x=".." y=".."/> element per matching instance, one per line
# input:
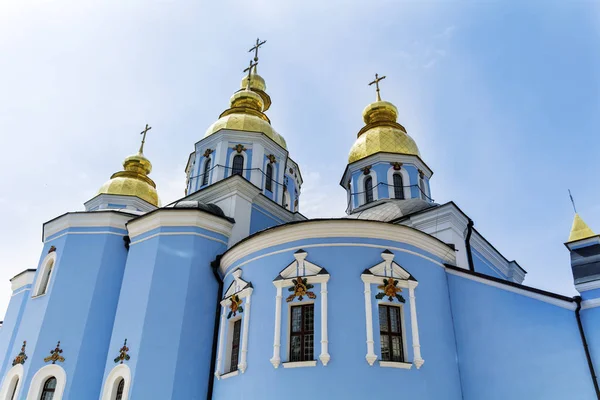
<point x="49" y="389"/>
<point x="398" y="187"/>
<point x="286" y="198"/>
<point x="238" y="165"/>
<point x="120" y="388"/>
<point x="269" y="178"/>
<point x="13" y="389"/>
<point x="368" y="190"/>
<point x="45" y="278"/>
<point x="206" y="171"/>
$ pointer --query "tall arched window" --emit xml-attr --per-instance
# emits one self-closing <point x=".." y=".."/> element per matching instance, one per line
<point x="45" y="278"/>
<point x="269" y="178"/>
<point x="49" y="389"/>
<point x="238" y="165"/>
<point x="120" y="388"/>
<point x="368" y="190"/>
<point x="206" y="171"/>
<point x="13" y="390"/>
<point x="398" y="187"/>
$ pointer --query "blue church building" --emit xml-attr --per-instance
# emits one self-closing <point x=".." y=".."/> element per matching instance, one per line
<point x="231" y="293"/>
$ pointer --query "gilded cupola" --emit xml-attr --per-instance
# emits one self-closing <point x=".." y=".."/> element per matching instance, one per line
<point x="133" y="180"/>
<point x="382" y="132"/>
<point x="579" y="230"/>
<point x="246" y="110"/>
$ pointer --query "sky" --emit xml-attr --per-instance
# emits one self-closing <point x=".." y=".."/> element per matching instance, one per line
<point x="502" y="98"/>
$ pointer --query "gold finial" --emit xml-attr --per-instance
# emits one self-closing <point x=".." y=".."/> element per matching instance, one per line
<point x="376" y="82"/>
<point x="146" y="129"/>
<point x="255" y="49"/>
<point x="249" y="70"/>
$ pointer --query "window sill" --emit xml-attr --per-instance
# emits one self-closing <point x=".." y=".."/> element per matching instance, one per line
<point x="229" y="374"/>
<point x="395" y="364"/>
<point x="39" y="295"/>
<point x="300" y="364"/>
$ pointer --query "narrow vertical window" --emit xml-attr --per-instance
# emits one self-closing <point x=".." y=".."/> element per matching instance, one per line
<point x="235" y="345"/>
<point x="269" y="178"/>
<point x="120" y="389"/>
<point x="398" y="187"/>
<point x="390" y="333"/>
<point x="206" y="171"/>
<point x="45" y="279"/>
<point x="368" y="190"/>
<point x="49" y="389"/>
<point x="302" y="336"/>
<point x="14" y="390"/>
<point x="238" y="165"/>
<point x="422" y="188"/>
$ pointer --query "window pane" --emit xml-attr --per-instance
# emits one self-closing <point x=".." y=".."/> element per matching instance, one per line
<point x="297" y="319"/>
<point x="206" y="171"/>
<point x="368" y="190"/>
<point x="308" y="347"/>
<point x="235" y="345"/>
<point x="295" y="349"/>
<point x="394" y="319"/>
<point x="383" y="319"/>
<point x="396" y="349"/>
<point x="120" y="389"/>
<point x="385" y="347"/>
<point x="398" y="187"/>
<point x="309" y="318"/>
<point x="269" y="177"/>
<point x="238" y="165"/>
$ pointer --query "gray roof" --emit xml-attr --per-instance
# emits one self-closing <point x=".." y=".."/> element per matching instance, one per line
<point x="392" y="209"/>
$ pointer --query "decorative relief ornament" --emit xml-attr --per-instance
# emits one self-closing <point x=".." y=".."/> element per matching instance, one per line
<point x="55" y="355"/>
<point x="123" y="356"/>
<point x="239" y="148"/>
<point x="52" y="249"/>
<point x="301" y="288"/>
<point x="21" y="357"/>
<point x="397" y="166"/>
<point x="421" y="174"/>
<point x="208" y="152"/>
<point x="366" y="170"/>
<point x="271" y="158"/>
<point x="235" y="306"/>
<point x="390" y="290"/>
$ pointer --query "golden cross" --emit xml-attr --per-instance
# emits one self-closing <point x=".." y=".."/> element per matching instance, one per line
<point x="249" y="70"/>
<point x="256" y="47"/>
<point x="376" y="82"/>
<point x="146" y="129"/>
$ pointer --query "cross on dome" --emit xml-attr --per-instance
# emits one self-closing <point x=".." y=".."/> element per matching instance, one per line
<point x="144" y="132"/>
<point x="376" y="82"/>
<point x="249" y="70"/>
<point x="255" y="49"/>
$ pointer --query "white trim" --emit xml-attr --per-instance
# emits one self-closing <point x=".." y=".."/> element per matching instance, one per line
<point x="324" y="356"/>
<point x="537" y="296"/>
<point x="590" y="304"/>
<point x="229" y="374"/>
<point x="133" y="204"/>
<point x="583" y="287"/>
<point x="388" y="158"/>
<point x="85" y="233"/>
<point x="276" y="359"/>
<point x="97" y="219"/>
<point x="22" y="279"/>
<point x="405" y="182"/>
<point x="394" y="364"/>
<point x="342" y="228"/>
<point x="362" y="198"/>
<point x="221" y="344"/>
<point x="371" y="356"/>
<point x="300" y="364"/>
<point x="417" y="359"/>
<point x="109" y="392"/>
<point x="48" y="262"/>
<point x="42" y="375"/>
<point x="178" y="218"/>
<point x="8" y="384"/>
<point x="178" y="234"/>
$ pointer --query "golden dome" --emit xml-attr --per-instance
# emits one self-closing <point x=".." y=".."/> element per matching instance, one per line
<point x="133" y="181"/>
<point x="382" y="133"/>
<point x="246" y="112"/>
<point x="580" y="230"/>
<point x="258" y="85"/>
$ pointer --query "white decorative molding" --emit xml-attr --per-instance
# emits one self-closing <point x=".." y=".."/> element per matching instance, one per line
<point x="360" y="187"/>
<point x="341" y="228"/>
<point x="229" y="165"/>
<point x="417" y="359"/>
<point x="387" y="158"/>
<point x="300" y="364"/>
<point x="97" y="219"/>
<point x="243" y="290"/>
<point x="313" y="274"/>
<point x="584" y="287"/>
<point x="22" y="279"/>
<point x="229" y="374"/>
<point x="174" y="217"/>
<point x="371" y="356"/>
<point x="405" y="182"/>
<point x="393" y="364"/>
<point x="537" y="296"/>
<point x="590" y="304"/>
<point x="12" y="383"/>
<point x="42" y="375"/>
<point x="109" y="391"/>
<point x="49" y="262"/>
<point x="133" y="204"/>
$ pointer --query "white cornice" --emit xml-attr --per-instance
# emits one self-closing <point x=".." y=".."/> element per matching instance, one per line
<point x="92" y="219"/>
<point x="104" y="199"/>
<point x="489" y="253"/>
<point x="435" y="216"/>
<point x="338" y="228"/>
<point x="228" y="135"/>
<point x="24" y="278"/>
<point x="389" y="158"/>
<point x="590" y="304"/>
<point x="583" y="287"/>
<point x="509" y="288"/>
<point x="179" y="218"/>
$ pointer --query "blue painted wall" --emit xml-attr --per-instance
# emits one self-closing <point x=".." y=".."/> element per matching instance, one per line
<point x="590" y="319"/>
<point x="485" y="266"/>
<point x="261" y="219"/>
<point x="10" y="326"/>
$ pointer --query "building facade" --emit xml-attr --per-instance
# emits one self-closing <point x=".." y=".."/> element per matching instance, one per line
<point x="231" y="293"/>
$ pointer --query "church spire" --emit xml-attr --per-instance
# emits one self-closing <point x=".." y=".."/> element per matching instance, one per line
<point x="580" y="230"/>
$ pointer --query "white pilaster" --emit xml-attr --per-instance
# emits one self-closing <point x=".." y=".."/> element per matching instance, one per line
<point x="276" y="360"/>
<point x="371" y="357"/>
<point x="243" y="364"/>
<point x="221" y="343"/>
<point x="324" y="357"/>
<point x="418" y="361"/>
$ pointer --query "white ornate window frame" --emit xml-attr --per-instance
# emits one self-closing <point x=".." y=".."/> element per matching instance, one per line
<point x="48" y="262"/>
<point x="243" y="290"/>
<point x="13" y="377"/>
<point x="361" y="186"/>
<point x="405" y="182"/>
<point x="230" y="163"/>
<point x="313" y="274"/>
<point x="374" y="276"/>
<point x="109" y="392"/>
<point x="42" y="375"/>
